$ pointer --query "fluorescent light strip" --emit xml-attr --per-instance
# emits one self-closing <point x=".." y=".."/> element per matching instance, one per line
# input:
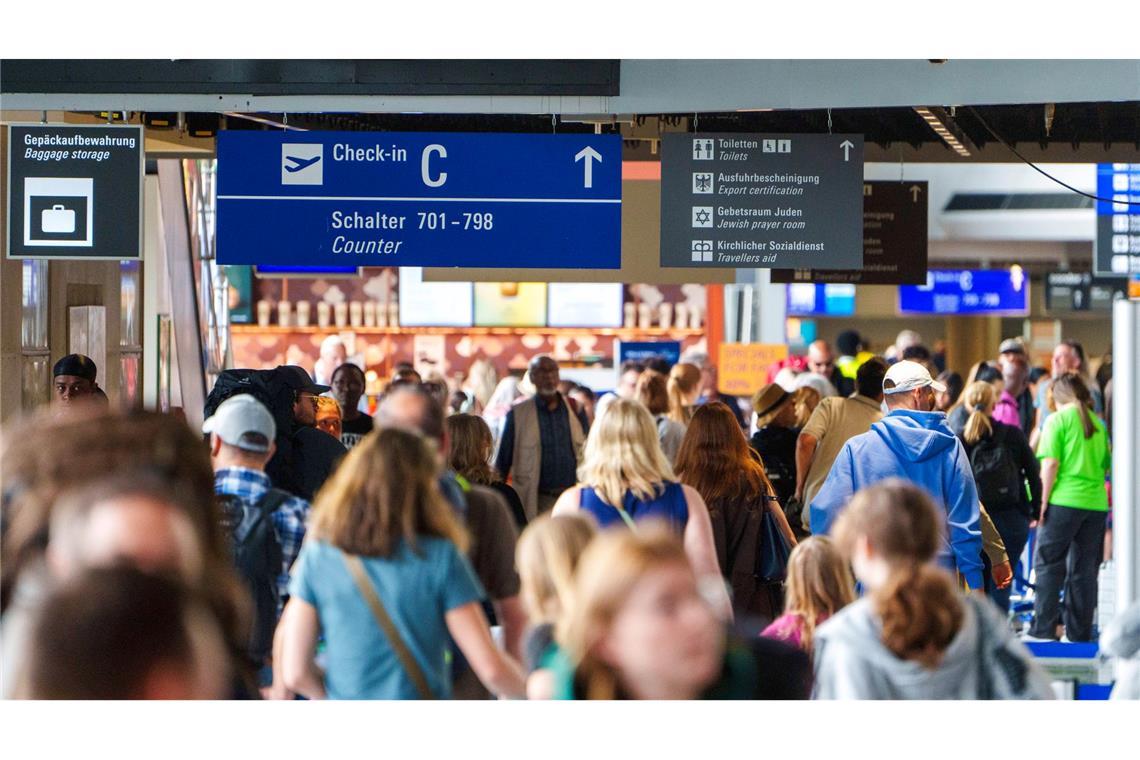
<point x="942" y="131"/>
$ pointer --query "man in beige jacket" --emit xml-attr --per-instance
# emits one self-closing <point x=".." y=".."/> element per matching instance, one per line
<point x="542" y="441"/>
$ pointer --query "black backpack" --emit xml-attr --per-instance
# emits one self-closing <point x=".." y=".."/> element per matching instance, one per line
<point x="1001" y="485"/>
<point x="257" y="556"/>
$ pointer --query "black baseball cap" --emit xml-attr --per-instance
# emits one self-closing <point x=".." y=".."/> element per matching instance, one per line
<point x="76" y="365"/>
<point x="298" y="379"/>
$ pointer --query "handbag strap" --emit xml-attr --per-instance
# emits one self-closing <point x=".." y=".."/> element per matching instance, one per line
<point x="356" y="569"/>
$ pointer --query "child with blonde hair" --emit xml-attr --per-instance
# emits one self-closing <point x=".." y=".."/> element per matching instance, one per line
<point x="819" y="584"/>
<point x="547" y="555"/>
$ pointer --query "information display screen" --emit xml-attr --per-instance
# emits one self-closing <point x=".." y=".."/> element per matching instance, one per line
<point x="510" y="304"/>
<point x="434" y="304"/>
<point x="1117" y="250"/>
<point x="585" y="304"/>
<point x="815" y="300"/>
<point x="968" y="291"/>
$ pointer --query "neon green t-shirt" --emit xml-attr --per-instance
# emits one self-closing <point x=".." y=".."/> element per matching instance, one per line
<point x="1083" y="462"/>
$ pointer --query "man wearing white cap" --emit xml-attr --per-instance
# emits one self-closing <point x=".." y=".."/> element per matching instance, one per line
<point x="914" y="443"/>
<point x="242" y="433"/>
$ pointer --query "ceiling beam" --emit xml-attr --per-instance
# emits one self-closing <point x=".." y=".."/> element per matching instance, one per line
<point x="646" y="86"/>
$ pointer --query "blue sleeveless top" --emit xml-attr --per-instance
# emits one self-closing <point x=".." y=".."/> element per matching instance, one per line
<point x="669" y="506"/>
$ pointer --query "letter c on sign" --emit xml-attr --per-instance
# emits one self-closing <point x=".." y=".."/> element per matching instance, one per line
<point x="438" y="181"/>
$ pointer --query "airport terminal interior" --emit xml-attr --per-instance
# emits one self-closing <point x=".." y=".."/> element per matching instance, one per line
<point x="570" y="379"/>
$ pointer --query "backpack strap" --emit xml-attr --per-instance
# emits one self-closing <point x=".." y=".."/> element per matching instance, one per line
<point x="368" y="591"/>
<point x="272" y="499"/>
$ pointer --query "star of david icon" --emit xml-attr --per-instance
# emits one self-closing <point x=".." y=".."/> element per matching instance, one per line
<point x="702" y="216"/>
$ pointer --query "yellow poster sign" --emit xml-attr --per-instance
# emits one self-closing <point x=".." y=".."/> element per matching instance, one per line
<point x="742" y="368"/>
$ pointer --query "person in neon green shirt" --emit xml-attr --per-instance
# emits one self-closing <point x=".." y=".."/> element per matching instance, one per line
<point x="1075" y="458"/>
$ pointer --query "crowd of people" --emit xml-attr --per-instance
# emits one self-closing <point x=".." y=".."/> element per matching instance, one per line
<point x="855" y="537"/>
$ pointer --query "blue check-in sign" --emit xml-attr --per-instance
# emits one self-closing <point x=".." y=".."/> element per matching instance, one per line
<point x="419" y="199"/>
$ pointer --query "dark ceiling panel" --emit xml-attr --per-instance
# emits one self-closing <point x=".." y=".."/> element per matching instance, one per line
<point x="311" y="77"/>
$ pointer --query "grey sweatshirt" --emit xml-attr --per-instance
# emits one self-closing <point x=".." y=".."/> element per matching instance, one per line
<point x="853" y="663"/>
<point x="1121" y="639"/>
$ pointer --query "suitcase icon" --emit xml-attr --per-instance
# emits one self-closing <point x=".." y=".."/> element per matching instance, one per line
<point x="58" y="220"/>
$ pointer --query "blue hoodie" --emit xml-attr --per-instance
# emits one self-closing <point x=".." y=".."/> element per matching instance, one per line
<point x="919" y="447"/>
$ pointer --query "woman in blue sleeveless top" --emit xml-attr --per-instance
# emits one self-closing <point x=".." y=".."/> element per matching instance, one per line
<point x="626" y="479"/>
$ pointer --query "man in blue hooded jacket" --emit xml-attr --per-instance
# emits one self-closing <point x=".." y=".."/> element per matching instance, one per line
<point x="914" y="443"/>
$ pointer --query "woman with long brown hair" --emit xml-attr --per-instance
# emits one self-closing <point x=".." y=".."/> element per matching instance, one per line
<point x="915" y="635"/>
<point x="383" y="577"/>
<point x="469" y="454"/>
<point x="717" y="462"/>
<point x="1075" y="458"/>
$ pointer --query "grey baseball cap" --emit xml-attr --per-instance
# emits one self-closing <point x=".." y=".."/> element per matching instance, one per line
<point x="244" y="422"/>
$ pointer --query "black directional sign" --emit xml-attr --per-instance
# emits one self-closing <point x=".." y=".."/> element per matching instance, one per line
<point x="894" y="239"/>
<point x="75" y="192"/>
<point x="1081" y="291"/>
<point x="762" y="201"/>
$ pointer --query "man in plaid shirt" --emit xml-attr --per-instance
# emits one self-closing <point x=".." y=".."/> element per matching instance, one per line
<point x="241" y="441"/>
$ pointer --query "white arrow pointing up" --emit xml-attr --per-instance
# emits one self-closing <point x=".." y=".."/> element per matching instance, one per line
<point x="847" y="145"/>
<point x="914" y="191"/>
<point x="591" y="156"/>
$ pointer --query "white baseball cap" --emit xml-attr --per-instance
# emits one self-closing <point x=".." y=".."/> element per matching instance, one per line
<point x="237" y="418"/>
<point x="907" y="376"/>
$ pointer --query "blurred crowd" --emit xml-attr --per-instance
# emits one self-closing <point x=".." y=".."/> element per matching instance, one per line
<point x="852" y="531"/>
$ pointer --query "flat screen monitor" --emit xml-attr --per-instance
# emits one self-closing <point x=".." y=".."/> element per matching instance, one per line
<point x="433" y="304"/>
<point x="585" y="304"/>
<point x="510" y="304"/>
<point x="807" y="299"/>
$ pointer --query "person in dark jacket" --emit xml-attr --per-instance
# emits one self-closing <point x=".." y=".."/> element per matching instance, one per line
<point x="775" y="438"/>
<point x="1002" y="463"/>
<point x="314" y="454"/>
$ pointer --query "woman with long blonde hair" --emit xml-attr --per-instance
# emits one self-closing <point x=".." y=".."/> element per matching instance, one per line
<point x="819" y="585"/>
<point x="1002" y="463"/>
<point x="383" y="543"/>
<point x="625" y="478"/>
<point x="640" y="627"/>
<point x="683" y="389"/>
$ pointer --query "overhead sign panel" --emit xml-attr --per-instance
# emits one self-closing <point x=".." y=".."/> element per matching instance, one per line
<point x="1117" y="252"/>
<point x="968" y="291"/>
<point x="419" y="199"/>
<point x="1080" y="291"/>
<point x="762" y="201"/>
<point x="75" y="192"/>
<point x="894" y="239"/>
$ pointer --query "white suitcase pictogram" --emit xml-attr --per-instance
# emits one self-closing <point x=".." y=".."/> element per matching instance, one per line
<point x="58" y="220"/>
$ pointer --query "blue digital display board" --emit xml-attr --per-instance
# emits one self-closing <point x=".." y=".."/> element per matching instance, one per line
<point x="968" y="291"/>
<point x="1117" y="251"/>
<point x="807" y="299"/>
<point x="640" y="351"/>
<point x="419" y="199"/>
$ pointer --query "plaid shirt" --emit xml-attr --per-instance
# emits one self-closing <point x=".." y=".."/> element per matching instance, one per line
<point x="288" y="519"/>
